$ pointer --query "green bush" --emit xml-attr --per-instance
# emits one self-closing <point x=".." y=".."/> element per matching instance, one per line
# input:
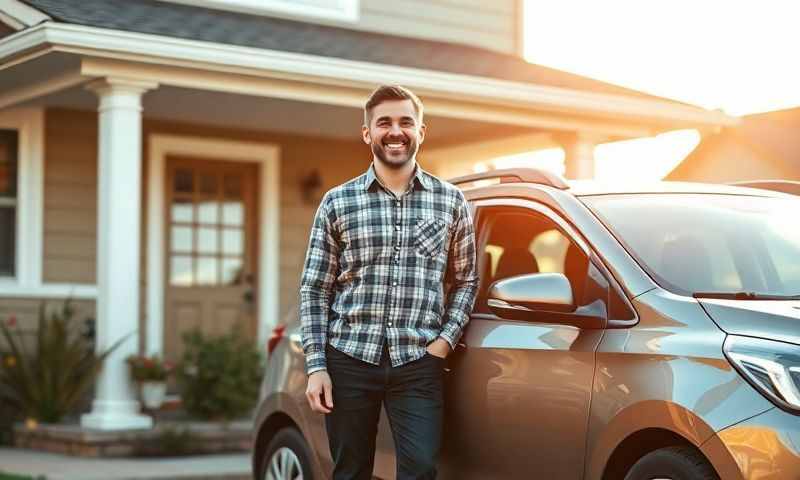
<point x="219" y="377"/>
<point x="48" y="379"/>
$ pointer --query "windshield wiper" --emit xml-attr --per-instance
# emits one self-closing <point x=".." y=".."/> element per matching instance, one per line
<point x="744" y="296"/>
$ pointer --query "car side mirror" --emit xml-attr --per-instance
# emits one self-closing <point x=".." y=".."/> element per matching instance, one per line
<point x="540" y="297"/>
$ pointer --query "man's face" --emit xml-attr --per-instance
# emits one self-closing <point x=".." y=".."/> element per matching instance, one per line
<point x="394" y="133"/>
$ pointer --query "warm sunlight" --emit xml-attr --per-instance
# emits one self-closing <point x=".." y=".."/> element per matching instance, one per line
<point x="640" y="159"/>
<point x="714" y="53"/>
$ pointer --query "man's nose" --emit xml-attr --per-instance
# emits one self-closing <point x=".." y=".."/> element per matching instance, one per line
<point x="395" y="130"/>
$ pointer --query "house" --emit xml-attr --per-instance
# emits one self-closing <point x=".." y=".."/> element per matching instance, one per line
<point x="762" y="146"/>
<point x="163" y="159"/>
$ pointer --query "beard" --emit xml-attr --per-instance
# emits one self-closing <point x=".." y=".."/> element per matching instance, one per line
<point x="395" y="160"/>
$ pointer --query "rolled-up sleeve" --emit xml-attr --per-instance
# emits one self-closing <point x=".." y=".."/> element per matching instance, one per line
<point x="462" y="271"/>
<point x="316" y="286"/>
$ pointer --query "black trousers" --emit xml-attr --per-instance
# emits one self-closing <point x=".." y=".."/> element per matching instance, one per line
<point x="412" y="396"/>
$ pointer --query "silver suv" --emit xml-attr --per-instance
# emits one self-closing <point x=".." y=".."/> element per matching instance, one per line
<point x="619" y="333"/>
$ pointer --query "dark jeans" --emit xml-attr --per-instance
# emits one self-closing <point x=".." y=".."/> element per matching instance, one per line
<point x="412" y="395"/>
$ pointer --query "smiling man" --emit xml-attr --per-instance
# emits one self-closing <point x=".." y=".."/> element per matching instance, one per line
<point x="377" y="320"/>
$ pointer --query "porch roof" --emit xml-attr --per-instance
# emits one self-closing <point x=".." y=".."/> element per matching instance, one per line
<point x="232" y="28"/>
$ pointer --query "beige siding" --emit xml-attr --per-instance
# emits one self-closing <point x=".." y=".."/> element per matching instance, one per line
<point x="70" y="197"/>
<point x="26" y="313"/>
<point x="492" y="25"/>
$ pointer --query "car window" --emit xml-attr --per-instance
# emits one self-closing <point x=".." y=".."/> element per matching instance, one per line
<point x="517" y="241"/>
<point x="709" y="242"/>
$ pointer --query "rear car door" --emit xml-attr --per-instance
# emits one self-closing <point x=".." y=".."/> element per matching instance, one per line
<point x="518" y="392"/>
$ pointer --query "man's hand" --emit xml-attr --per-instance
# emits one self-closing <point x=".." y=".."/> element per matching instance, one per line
<point x="439" y="348"/>
<point x="320" y="392"/>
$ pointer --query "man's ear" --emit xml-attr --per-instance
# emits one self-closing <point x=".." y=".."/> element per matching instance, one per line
<point x="422" y="129"/>
<point x="365" y="134"/>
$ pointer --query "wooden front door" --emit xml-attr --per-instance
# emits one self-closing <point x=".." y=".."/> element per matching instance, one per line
<point x="211" y="249"/>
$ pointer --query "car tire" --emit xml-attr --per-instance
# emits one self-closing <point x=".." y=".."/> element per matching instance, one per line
<point x="286" y="457"/>
<point x="672" y="463"/>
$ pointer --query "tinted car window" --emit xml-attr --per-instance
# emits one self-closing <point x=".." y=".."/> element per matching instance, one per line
<point x="709" y="243"/>
<point x="518" y="241"/>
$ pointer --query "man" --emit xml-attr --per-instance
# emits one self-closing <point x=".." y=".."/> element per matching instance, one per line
<point x="376" y="325"/>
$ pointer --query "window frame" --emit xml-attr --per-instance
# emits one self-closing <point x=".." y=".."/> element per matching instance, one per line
<point x="346" y="11"/>
<point x="29" y="124"/>
<point x="534" y="208"/>
<point x="570" y="232"/>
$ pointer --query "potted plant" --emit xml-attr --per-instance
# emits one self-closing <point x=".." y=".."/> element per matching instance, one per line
<point x="151" y="373"/>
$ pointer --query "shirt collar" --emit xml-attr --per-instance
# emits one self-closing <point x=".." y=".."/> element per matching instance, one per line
<point x="419" y="177"/>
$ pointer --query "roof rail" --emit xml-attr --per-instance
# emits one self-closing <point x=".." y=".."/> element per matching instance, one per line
<point x="516" y="175"/>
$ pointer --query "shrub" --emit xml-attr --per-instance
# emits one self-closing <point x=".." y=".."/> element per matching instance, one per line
<point x="219" y="377"/>
<point x="48" y="379"/>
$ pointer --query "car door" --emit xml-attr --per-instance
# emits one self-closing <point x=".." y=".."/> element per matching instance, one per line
<point x="518" y="392"/>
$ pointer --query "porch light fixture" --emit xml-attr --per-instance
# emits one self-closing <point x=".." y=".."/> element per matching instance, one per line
<point x="311" y="187"/>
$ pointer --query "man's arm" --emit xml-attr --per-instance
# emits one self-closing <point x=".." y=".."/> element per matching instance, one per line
<point x="316" y="286"/>
<point x="462" y="268"/>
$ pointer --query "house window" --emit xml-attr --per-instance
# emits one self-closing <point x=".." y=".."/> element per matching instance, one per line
<point x="345" y="10"/>
<point x="9" y="141"/>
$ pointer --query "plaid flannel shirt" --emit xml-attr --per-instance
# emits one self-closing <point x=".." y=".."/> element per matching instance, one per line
<point x="377" y="266"/>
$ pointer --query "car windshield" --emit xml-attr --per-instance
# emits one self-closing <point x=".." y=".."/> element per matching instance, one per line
<point x="709" y="243"/>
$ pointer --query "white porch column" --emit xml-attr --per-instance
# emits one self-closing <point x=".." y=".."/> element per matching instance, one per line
<point x="578" y="155"/>
<point x="118" y="224"/>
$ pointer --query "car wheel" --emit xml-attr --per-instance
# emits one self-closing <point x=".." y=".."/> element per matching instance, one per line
<point x="286" y="457"/>
<point x="672" y="463"/>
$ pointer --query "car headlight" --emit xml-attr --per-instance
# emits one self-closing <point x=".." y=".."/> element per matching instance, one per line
<point x="772" y="367"/>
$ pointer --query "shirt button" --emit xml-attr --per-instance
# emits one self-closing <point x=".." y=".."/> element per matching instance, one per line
<point x="394" y="284"/>
<point x="397" y="247"/>
<point x="390" y="324"/>
<point x="397" y="227"/>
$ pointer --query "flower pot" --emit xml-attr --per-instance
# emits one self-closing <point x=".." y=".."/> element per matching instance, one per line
<point x="153" y="393"/>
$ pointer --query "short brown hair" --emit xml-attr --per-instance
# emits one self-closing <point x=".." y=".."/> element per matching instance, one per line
<point x="386" y="93"/>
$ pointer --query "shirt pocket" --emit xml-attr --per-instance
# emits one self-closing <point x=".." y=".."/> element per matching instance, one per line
<point x="429" y="236"/>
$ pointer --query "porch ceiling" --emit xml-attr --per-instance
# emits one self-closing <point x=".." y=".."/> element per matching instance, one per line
<point x="246" y="112"/>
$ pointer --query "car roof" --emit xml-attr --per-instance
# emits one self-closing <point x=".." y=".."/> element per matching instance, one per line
<point x="583" y="188"/>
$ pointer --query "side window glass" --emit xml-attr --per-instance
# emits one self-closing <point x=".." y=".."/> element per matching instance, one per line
<point x="517" y="241"/>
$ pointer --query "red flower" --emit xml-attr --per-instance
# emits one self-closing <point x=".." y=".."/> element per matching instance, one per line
<point x="11" y="321"/>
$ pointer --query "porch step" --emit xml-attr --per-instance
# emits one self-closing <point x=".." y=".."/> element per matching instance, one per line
<point x="54" y="466"/>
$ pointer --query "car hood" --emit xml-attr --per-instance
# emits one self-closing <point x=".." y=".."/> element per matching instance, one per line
<point x="771" y="319"/>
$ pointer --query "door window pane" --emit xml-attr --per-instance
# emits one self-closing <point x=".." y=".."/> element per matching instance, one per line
<point x="232" y="241"/>
<point x="208" y="212"/>
<point x="233" y="186"/>
<point x="182" y="239"/>
<point x="207" y="240"/>
<point x="233" y="214"/>
<point x="208" y="183"/>
<point x="181" y="271"/>
<point x="207" y="270"/>
<point x="184" y="181"/>
<point x="182" y="210"/>
<point x="231" y="271"/>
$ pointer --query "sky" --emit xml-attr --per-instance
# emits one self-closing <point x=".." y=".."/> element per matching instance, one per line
<point x="734" y="55"/>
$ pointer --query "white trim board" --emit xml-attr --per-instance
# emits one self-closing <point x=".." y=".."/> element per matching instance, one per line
<point x="334" y="71"/>
<point x="17" y="15"/>
<point x="343" y="10"/>
<point x="268" y="157"/>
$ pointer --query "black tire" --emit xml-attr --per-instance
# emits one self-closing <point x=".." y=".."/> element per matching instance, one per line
<point x="293" y="440"/>
<point x="673" y="463"/>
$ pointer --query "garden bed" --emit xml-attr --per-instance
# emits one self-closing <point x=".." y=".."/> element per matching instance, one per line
<point x="173" y="438"/>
